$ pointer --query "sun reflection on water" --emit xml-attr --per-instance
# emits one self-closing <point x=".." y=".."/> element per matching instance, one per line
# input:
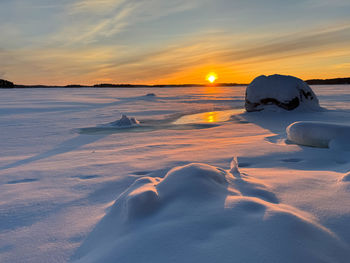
<point x="208" y="117"/>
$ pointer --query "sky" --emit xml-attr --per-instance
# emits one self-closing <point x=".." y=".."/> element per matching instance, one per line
<point x="59" y="42"/>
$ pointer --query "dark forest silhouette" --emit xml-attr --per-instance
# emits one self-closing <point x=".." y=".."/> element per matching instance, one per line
<point x="5" y="84"/>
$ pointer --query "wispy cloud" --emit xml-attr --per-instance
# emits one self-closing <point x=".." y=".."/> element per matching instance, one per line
<point x="155" y="40"/>
<point x="309" y="41"/>
<point x="92" y="21"/>
<point x="202" y="51"/>
<point x="93" y="6"/>
<point x="206" y="50"/>
<point x="342" y="66"/>
<point x="327" y="3"/>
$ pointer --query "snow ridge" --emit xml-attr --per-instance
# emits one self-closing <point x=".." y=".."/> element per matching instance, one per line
<point x="199" y="212"/>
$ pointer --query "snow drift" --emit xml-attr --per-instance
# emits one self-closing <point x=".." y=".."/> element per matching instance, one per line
<point x="319" y="134"/>
<point x="285" y="92"/>
<point x="124" y="122"/>
<point x="200" y="213"/>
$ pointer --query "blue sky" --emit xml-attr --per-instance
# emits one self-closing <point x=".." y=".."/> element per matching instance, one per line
<point x="178" y="41"/>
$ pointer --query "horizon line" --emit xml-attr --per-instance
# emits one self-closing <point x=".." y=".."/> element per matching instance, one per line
<point x="338" y="79"/>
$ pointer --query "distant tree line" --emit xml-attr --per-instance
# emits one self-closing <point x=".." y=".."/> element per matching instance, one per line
<point x="328" y="81"/>
<point x="5" y="84"/>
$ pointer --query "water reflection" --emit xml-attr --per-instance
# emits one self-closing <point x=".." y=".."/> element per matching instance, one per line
<point x="203" y="120"/>
<point x="208" y="117"/>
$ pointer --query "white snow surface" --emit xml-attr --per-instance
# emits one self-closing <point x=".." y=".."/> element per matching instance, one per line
<point x="282" y="88"/>
<point x="66" y="196"/>
<point x="319" y="134"/>
<point x="200" y="213"/>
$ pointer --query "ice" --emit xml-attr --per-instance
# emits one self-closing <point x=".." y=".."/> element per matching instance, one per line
<point x="208" y="117"/>
<point x="319" y="134"/>
<point x="279" y="92"/>
<point x="184" y="199"/>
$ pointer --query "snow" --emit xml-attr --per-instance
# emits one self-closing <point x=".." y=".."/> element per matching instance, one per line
<point x="169" y="193"/>
<point x="280" y="92"/>
<point x="319" y="134"/>
<point x="346" y="178"/>
<point x="124" y="122"/>
<point x="198" y="212"/>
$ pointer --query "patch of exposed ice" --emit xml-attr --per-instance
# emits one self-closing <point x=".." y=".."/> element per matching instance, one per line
<point x="208" y="117"/>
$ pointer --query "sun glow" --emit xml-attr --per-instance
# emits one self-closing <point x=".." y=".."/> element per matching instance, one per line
<point x="211" y="77"/>
<point x="210" y="117"/>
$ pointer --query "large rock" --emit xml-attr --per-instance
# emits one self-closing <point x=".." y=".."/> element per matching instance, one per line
<point x="285" y="92"/>
<point x="4" y="84"/>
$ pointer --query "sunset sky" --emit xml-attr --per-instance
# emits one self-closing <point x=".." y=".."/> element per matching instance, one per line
<point x="175" y="41"/>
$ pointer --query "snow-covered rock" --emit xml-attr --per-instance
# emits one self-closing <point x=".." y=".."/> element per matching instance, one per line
<point x="319" y="134"/>
<point x="200" y="213"/>
<point x="285" y="92"/>
<point x="124" y="122"/>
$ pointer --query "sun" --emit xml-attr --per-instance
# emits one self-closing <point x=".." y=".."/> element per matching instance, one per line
<point x="211" y="77"/>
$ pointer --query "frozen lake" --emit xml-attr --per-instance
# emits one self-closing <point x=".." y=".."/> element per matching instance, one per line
<point x="56" y="182"/>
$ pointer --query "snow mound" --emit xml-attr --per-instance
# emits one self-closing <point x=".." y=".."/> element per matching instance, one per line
<point x="200" y="213"/>
<point x="346" y="178"/>
<point x="320" y="134"/>
<point x="281" y="92"/>
<point x="124" y="122"/>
